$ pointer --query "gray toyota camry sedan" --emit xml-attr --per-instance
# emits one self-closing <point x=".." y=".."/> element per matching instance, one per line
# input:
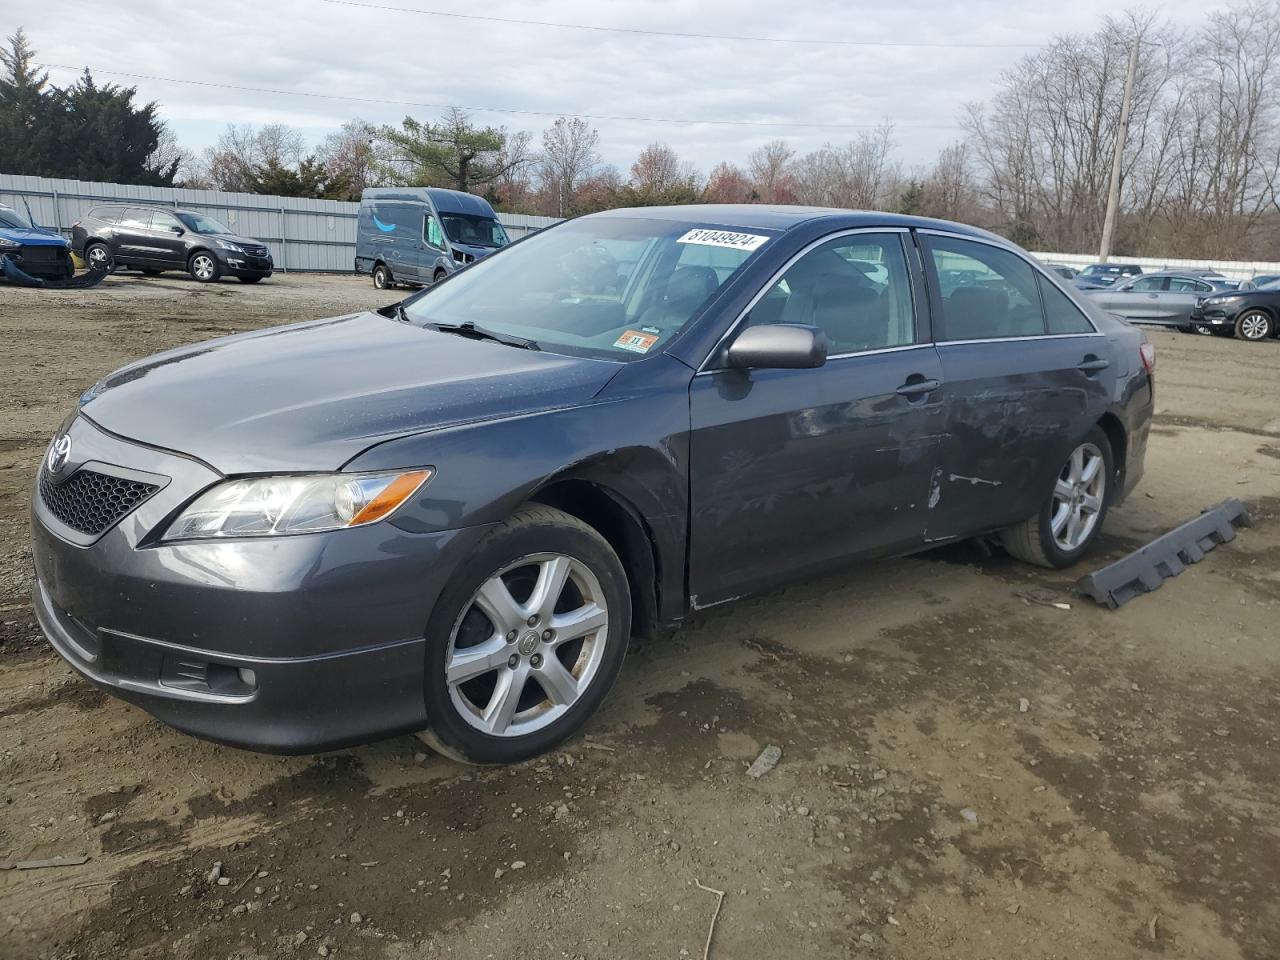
<point x="451" y="515"/>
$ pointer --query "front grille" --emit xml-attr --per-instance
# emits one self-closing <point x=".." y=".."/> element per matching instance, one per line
<point x="255" y="249"/>
<point x="42" y="253"/>
<point x="92" y="502"/>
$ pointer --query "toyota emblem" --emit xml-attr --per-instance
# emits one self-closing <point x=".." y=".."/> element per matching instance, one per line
<point x="59" y="453"/>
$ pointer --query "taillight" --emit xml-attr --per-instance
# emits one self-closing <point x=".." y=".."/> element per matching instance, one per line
<point x="1148" y="353"/>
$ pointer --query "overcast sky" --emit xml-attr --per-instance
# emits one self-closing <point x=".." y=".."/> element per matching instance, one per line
<point x="353" y="51"/>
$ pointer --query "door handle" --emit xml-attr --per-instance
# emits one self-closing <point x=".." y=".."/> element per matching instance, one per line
<point x="1092" y="364"/>
<point x="1153" y="296"/>
<point x="917" y="386"/>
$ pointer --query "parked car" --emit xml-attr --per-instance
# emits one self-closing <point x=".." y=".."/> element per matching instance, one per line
<point x="1252" y="314"/>
<point x="1160" y="298"/>
<point x="451" y="514"/>
<point x="155" y="239"/>
<point x="420" y="235"/>
<point x="37" y="252"/>
<point x="1062" y="270"/>
<point x="1099" y="275"/>
<point x="1264" y="280"/>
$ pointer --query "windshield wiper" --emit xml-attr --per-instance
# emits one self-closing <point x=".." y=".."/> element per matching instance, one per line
<point x="469" y="329"/>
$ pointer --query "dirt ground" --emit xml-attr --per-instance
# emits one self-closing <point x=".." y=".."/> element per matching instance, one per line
<point x="966" y="773"/>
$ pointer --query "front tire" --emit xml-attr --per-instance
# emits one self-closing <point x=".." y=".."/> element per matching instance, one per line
<point x="440" y="275"/>
<point x="526" y="640"/>
<point x="203" y="267"/>
<point x="1064" y="528"/>
<point x="1254" y="325"/>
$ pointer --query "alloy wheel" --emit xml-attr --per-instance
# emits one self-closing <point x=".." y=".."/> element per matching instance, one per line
<point x="203" y="266"/>
<point x="527" y="645"/>
<point x="1255" y="326"/>
<point x="1078" y="496"/>
<point x="98" y="257"/>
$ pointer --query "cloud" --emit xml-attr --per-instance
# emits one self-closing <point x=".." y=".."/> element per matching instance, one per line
<point x="307" y="45"/>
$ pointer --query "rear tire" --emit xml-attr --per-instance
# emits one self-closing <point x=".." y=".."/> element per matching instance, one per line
<point x="1065" y="527"/>
<point x="526" y="640"/>
<point x="382" y="277"/>
<point x="1255" y="325"/>
<point x="203" y="267"/>
<point x="97" y="256"/>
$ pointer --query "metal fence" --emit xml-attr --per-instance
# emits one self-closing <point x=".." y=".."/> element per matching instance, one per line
<point x="1237" y="269"/>
<point x="302" y="234"/>
<point x="321" y="234"/>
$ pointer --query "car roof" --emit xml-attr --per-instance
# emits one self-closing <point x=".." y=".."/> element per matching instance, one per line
<point x="782" y="217"/>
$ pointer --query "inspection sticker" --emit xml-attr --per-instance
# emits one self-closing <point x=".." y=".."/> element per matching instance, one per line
<point x="636" y="341"/>
<point x="724" y="238"/>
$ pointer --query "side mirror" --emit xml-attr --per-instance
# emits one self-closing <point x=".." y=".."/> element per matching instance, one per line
<point x="177" y="230"/>
<point x="778" y="346"/>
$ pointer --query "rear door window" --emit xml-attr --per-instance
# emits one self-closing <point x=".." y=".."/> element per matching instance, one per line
<point x="136" y="218"/>
<point x="1149" y="284"/>
<point x="987" y="292"/>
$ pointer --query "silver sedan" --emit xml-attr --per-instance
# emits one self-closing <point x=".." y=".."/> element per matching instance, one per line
<point x="1161" y="298"/>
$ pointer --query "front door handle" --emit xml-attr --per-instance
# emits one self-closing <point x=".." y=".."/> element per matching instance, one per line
<point x="1092" y="364"/>
<point x="917" y="386"/>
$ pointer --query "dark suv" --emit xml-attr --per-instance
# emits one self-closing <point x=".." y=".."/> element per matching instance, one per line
<point x="154" y="239"/>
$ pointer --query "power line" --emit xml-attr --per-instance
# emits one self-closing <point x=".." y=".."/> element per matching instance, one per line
<point x="673" y="33"/>
<point x="503" y="110"/>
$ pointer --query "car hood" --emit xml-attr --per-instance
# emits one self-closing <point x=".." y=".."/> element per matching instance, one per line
<point x="33" y="237"/>
<point x="233" y="238"/>
<point x="311" y="396"/>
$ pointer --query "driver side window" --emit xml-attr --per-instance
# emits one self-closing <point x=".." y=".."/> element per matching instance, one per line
<point x="856" y="289"/>
<point x="433" y="234"/>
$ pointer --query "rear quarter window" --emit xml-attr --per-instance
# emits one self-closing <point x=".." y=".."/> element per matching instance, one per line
<point x="109" y="214"/>
<point x="1061" y="314"/>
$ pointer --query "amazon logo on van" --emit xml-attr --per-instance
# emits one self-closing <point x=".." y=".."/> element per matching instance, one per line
<point x="384" y="227"/>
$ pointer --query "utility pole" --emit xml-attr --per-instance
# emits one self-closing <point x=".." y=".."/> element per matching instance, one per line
<point x="1122" y="135"/>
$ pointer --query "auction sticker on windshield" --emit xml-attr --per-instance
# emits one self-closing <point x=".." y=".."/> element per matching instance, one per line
<point x="636" y="341"/>
<point x="724" y="238"/>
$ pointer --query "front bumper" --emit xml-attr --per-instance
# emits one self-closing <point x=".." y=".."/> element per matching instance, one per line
<point x="290" y="644"/>
<point x="244" y="264"/>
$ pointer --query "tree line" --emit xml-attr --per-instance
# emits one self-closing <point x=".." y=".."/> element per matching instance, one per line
<point x="1200" y="171"/>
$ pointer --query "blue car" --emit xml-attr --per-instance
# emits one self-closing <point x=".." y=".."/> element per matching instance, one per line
<point x="26" y="249"/>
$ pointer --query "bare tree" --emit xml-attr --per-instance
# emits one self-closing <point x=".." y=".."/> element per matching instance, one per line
<point x="353" y="155"/>
<point x="768" y="165"/>
<point x="568" y="158"/>
<point x="861" y="173"/>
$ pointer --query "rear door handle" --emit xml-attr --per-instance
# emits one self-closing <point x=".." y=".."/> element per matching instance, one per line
<point x="917" y="386"/>
<point x="1092" y="364"/>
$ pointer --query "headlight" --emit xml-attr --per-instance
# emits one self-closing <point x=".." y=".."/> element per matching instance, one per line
<point x="9" y="244"/>
<point x="271" y="506"/>
<point x="228" y="245"/>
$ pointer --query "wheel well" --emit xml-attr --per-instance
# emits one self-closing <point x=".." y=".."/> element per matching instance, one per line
<point x="621" y="525"/>
<point x="199" y="250"/>
<point x="1115" y="432"/>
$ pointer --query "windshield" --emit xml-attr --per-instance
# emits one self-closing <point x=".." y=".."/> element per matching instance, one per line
<point x="609" y="287"/>
<point x="12" y="218"/>
<point x="473" y="230"/>
<point x="199" y="223"/>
